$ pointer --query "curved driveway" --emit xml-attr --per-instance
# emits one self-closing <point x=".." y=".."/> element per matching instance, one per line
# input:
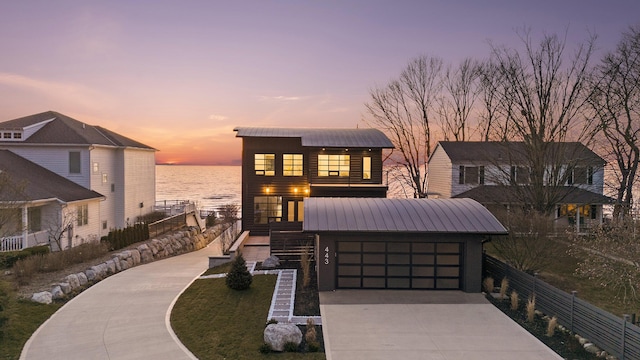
<point x="124" y="316"/>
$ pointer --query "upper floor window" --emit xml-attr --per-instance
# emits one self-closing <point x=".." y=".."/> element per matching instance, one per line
<point x="96" y="167"/>
<point x="520" y="175"/>
<point x="82" y="215"/>
<point x="333" y="165"/>
<point x="74" y="162"/>
<point x="292" y="164"/>
<point x="265" y="164"/>
<point x="472" y="175"/>
<point x="6" y="135"/>
<point x="17" y="135"/>
<point x="581" y="175"/>
<point x="366" y="168"/>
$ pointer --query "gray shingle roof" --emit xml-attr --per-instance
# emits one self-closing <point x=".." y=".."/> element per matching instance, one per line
<point x="65" y="130"/>
<point x="39" y="183"/>
<point x="497" y="194"/>
<point x="399" y="215"/>
<point x="514" y="152"/>
<point x="364" y="138"/>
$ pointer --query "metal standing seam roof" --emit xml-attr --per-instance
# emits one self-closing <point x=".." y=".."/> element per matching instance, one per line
<point x="334" y="137"/>
<point x="399" y="215"/>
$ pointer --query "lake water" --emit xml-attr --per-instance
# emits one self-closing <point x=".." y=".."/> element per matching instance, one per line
<point x="208" y="186"/>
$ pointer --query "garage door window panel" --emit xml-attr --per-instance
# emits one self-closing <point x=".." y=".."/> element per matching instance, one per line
<point x="373" y="283"/>
<point x="378" y="247"/>
<point x="398" y="271"/>
<point x="349" y="270"/>
<point x="347" y="258"/>
<point x="370" y="270"/>
<point x="398" y="283"/>
<point x="373" y="258"/>
<point x="423" y="271"/>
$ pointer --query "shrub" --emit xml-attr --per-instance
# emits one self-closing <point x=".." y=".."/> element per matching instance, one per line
<point x="504" y="286"/>
<point x="265" y="348"/>
<point x="121" y="238"/>
<point x="488" y="284"/>
<point x="531" y="309"/>
<point x="8" y="259"/>
<point x="290" y="347"/>
<point x="313" y="346"/>
<point x="514" y="300"/>
<point x="239" y="277"/>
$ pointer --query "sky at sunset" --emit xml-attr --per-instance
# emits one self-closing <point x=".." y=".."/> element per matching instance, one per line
<point x="180" y="75"/>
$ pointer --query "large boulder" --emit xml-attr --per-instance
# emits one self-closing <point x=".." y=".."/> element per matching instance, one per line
<point x="277" y="335"/>
<point x="42" y="297"/>
<point x="82" y="278"/>
<point x="271" y="262"/>
<point x="73" y="281"/>
<point x="56" y="292"/>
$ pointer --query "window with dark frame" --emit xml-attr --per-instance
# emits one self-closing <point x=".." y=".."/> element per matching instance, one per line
<point x="471" y="175"/>
<point x="266" y="209"/>
<point x="333" y="165"/>
<point x="292" y="164"/>
<point x="265" y="164"/>
<point x="82" y="215"/>
<point x="74" y="162"/>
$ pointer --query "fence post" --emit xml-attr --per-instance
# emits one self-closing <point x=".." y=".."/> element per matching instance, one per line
<point x="625" y="319"/>
<point x="573" y="300"/>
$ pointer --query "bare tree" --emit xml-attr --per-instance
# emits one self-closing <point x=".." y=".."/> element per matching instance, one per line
<point x="460" y="91"/>
<point x="12" y="198"/>
<point x="542" y="102"/>
<point x="60" y="227"/>
<point x="616" y="102"/>
<point x="404" y="110"/>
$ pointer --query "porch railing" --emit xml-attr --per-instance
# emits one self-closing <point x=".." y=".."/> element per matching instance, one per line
<point x="17" y="243"/>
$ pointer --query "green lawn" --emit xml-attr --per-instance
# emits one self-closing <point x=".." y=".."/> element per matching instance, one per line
<point x="18" y="320"/>
<point x="215" y="322"/>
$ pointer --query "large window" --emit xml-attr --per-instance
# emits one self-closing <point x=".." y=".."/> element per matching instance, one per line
<point x="581" y="175"/>
<point x="366" y="168"/>
<point x="472" y="175"/>
<point x="333" y="165"/>
<point x="520" y="175"/>
<point x="266" y="209"/>
<point x="292" y="164"/>
<point x="74" y="162"/>
<point x="82" y="215"/>
<point x="265" y="164"/>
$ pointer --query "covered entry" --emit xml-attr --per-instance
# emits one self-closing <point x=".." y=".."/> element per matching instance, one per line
<point x="377" y="243"/>
<point x="399" y="265"/>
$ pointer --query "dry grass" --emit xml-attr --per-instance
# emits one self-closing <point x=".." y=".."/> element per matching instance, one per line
<point x="305" y="265"/>
<point x="310" y="336"/>
<point x="514" y="300"/>
<point x="504" y="286"/>
<point x="551" y="327"/>
<point x="531" y="309"/>
<point x="488" y="284"/>
<point x="25" y="269"/>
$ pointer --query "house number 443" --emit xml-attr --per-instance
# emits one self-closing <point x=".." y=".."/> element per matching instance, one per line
<point x="326" y="255"/>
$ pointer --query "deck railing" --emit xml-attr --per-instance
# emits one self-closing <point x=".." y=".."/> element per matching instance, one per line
<point x="17" y="243"/>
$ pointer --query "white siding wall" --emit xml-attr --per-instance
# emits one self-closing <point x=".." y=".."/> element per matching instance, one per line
<point x="440" y="174"/>
<point x="107" y="162"/>
<point x="84" y="233"/>
<point x="139" y="183"/>
<point x="56" y="159"/>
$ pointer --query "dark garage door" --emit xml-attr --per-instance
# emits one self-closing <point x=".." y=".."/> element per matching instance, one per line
<point x="399" y="265"/>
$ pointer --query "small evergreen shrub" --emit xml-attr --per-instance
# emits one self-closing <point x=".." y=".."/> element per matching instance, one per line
<point x="265" y="348"/>
<point x="290" y="347"/>
<point x="239" y="277"/>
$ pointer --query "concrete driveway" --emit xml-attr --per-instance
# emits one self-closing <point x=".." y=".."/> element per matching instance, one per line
<point x="125" y="316"/>
<point x="425" y="325"/>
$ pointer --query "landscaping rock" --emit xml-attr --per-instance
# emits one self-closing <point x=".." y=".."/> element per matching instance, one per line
<point x="73" y="281"/>
<point x="56" y="292"/>
<point x="271" y="262"/>
<point x="111" y="267"/>
<point x="65" y="287"/>
<point x="42" y="297"/>
<point x="82" y="277"/>
<point x="135" y="257"/>
<point x="277" y="335"/>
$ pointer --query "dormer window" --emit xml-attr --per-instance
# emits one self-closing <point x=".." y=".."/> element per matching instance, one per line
<point x="17" y="135"/>
<point x="6" y="135"/>
<point x="11" y="135"/>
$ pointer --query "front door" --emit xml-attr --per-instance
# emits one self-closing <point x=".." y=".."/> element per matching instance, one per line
<point x="295" y="210"/>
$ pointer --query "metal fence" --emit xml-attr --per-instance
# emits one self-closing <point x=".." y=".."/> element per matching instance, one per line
<point x="617" y="336"/>
<point x="172" y="223"/>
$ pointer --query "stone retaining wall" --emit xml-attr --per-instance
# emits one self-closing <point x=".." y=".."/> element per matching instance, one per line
<point x="176" y="243"/>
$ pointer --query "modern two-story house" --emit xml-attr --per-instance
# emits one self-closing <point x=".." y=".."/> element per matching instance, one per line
<point x="120" y="169"/>
<point x="282" y="166"/>
<point x="499" y="175"/>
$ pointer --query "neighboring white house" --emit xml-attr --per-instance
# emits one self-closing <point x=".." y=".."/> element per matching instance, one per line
<point x="41" y="207"/>
<point x="496" y="173"/>
<point x="119" y="168"/>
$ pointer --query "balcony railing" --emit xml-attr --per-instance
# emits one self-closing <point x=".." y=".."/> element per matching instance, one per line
<point x="17" y="243"/>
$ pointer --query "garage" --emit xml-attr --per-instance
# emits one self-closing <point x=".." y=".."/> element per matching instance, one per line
<point x="412" y="244"/>
<point x="398" y="265"/>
